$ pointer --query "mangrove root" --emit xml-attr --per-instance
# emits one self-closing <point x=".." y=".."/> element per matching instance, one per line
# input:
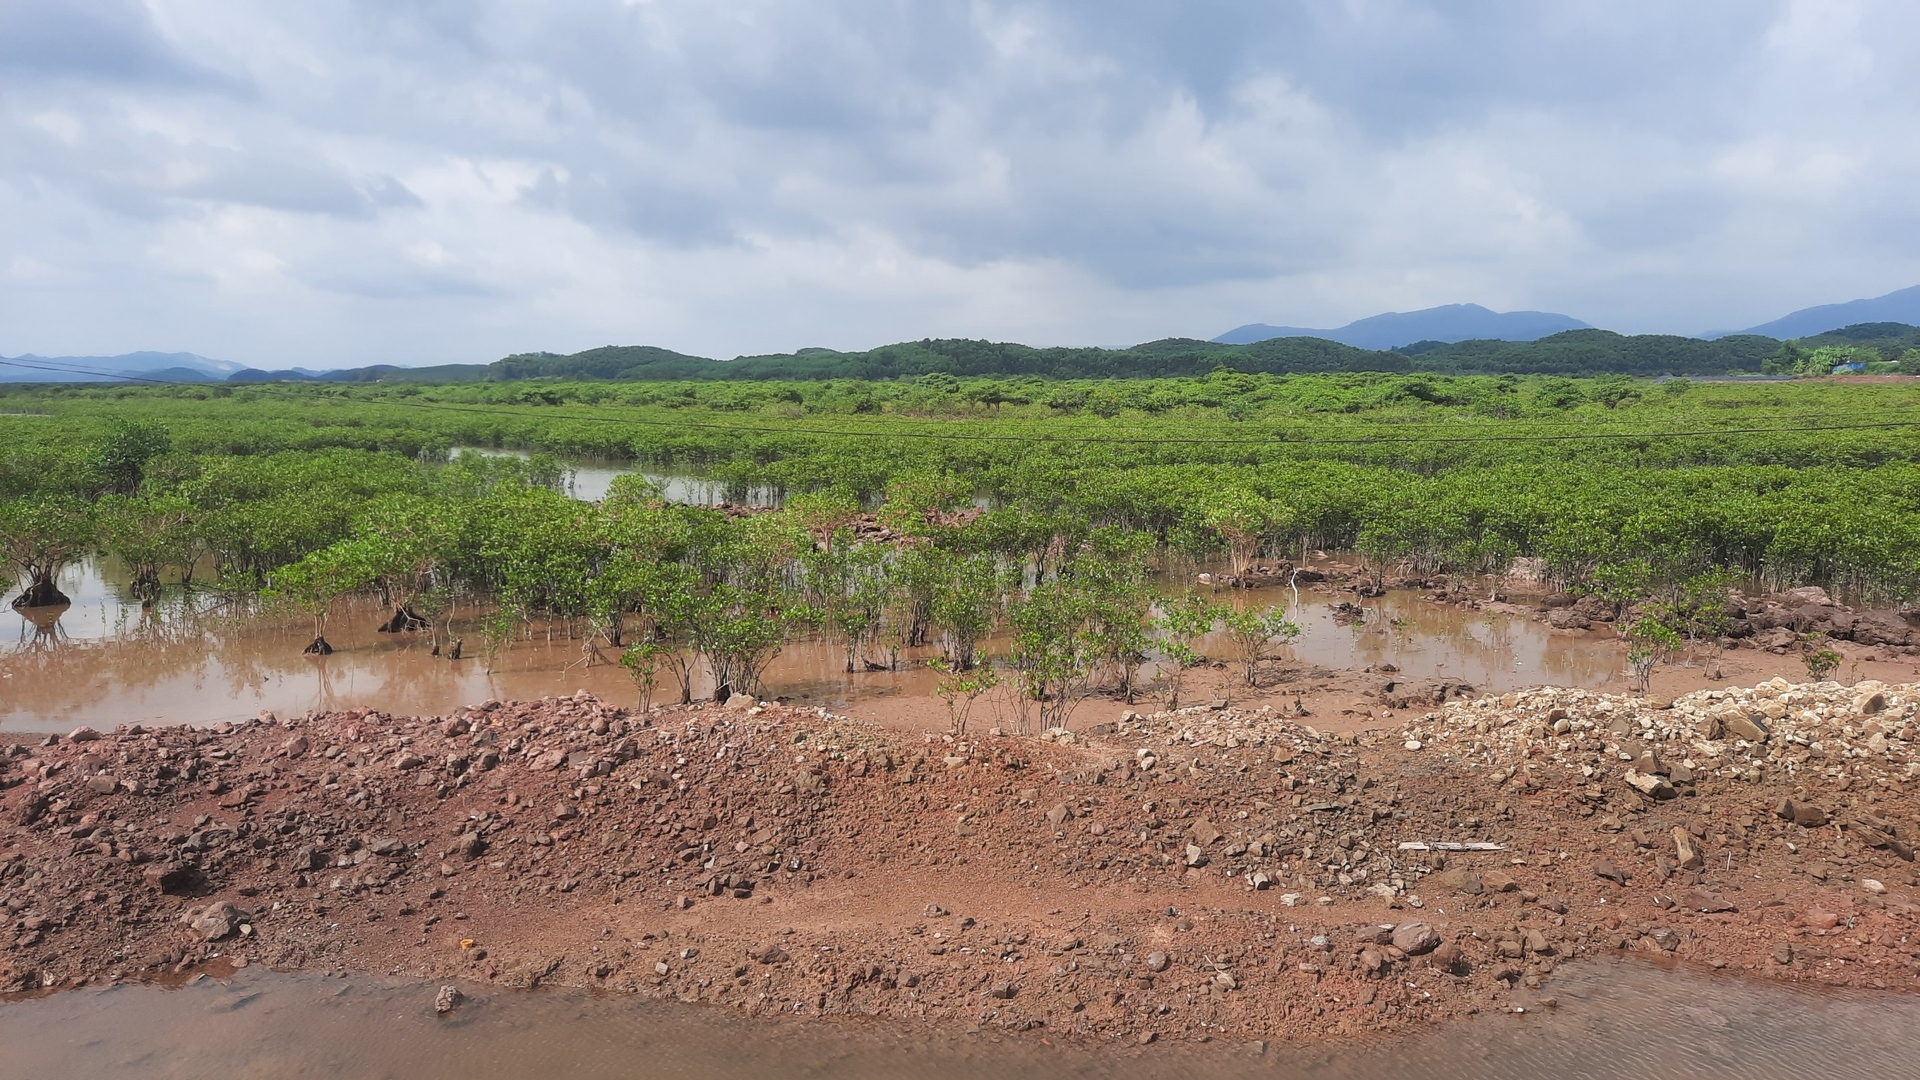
<point x="405" y="620"/>
<point x="318" y="647"/>
<point x="41" y="594"/>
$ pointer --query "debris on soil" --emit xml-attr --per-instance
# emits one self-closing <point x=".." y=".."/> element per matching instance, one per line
<point x="1204" y="873"/>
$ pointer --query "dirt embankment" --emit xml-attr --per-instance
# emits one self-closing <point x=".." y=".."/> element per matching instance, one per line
<point x="1210" y="873"/>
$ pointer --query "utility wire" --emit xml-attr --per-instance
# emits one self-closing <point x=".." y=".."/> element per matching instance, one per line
<point x="1276" y="439"/>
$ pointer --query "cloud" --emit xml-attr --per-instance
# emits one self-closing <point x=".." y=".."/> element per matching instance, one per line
<point x="114" y="40"/>
<point x="432" y="181"/>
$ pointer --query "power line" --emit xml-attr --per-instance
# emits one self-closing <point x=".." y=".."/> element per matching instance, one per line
<point x="1272" y="440"/>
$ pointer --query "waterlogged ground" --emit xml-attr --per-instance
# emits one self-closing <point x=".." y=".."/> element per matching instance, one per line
<point x="104" y="662"/>
<point x="590" y="480"/>
<point x="1625" y="1019"/>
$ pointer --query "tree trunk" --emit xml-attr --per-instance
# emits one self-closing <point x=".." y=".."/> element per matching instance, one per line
<point x="405" y="620"/>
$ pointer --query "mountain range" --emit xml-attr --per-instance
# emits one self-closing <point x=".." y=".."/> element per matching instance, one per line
<point x="1447" y="323"/>
<point x="133" y="366"/>
<point x="1467" y="336"/>
<point x="1900" y="306"/>
<point x="1471" y="322"/>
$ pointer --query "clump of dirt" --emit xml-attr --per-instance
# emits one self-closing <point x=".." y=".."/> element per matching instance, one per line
<point x="1202" y="873"/>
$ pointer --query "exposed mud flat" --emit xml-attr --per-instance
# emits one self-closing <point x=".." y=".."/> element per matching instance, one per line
<point x="1222" y="874"/>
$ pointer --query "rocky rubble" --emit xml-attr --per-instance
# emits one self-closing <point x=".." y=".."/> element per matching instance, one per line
<point x="1822" y="734"/>
<point x="1775" y="623"/>
<point x="1207" y="873"/>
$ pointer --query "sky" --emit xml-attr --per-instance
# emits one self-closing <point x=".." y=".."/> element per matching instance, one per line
<point x="348" y="182"/>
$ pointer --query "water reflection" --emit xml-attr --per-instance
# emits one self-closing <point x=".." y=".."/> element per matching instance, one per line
<point x="203" y="658"/>
<point x="1618" y="1020"/>
<point x="590" y="481"/>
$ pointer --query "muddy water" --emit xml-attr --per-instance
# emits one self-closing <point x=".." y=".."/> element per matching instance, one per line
<point x="105" y="662"/>
<point x="1615" y="1020"/>
<point x="589" y="480"/>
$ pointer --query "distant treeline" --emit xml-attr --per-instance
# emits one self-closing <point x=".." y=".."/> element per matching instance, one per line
<point x="1574" y="352"/>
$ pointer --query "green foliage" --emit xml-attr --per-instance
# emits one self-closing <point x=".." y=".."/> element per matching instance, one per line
<point x="41" y="536"/>
<point x="1050" y="655"/>
<point x="121" y="461"/>
<point x="1184" y="619"/>
<point x="1820" y="658"/>
<point x="1114" y="573"/>
<point x="1253" y="631"/>
<point x="1244" y="521"/>
<point x="849" y="586"/>
<point x="313" y="584"/>
<point x="934" y="366"/>
<point x="960" y="690"/>
<point x="641" y="660"/>
<point x="1649" y="642"/>
<point x="967" y="598"/>
<point x="152" y="535"/>
<point x="1427" y="472"/>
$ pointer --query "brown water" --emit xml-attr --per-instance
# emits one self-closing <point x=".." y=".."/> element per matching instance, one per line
<point x="590" y="479"/>
<point x="1619" y="1019"/>
<point x="105" y="662"/>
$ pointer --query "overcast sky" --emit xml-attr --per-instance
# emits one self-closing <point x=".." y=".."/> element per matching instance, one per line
<point x="410" y="181"/>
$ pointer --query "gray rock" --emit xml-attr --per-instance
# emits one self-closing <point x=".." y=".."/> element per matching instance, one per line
<point x="768" y="953"/>
<point x="1686" y="850"/>
<point x="448" y="999"/>
<point x="1415" y="938"/>
<point x="1567" y="619"/>
<point x="1652" y="785"/>
<point x="216" y="921"/>
<point x="1155" y="961"/>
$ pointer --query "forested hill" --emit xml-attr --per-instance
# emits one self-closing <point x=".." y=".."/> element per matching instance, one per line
<point x="1574" y="352"/>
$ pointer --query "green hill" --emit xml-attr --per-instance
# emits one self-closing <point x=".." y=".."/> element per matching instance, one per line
<point x="1572" y="352"/>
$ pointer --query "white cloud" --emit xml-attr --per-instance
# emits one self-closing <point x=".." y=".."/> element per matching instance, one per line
<point x="426" y="182"/>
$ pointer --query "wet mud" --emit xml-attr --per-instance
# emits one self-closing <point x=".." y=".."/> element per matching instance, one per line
<point x="1614" y="1020"/>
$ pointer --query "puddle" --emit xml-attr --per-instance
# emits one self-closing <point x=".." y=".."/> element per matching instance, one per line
<point x="1616" y="1019"/>
<point x="103" y="662"/>
<point x="589" y="481"/>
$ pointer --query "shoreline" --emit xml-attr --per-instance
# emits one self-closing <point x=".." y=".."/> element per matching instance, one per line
<point x="1161" y="879"/>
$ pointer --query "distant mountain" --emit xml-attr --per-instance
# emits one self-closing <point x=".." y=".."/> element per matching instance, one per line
<point x="133" y="366"/>
<point x="1900" y="306"/>
<point x="374" y="373"/>
<point x="1448" y="323"/>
